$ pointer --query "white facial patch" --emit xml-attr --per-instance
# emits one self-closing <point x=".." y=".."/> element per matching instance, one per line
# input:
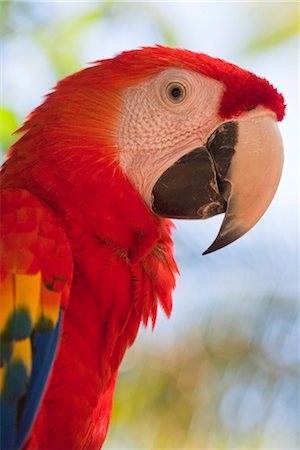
<point x="156" y="130"/>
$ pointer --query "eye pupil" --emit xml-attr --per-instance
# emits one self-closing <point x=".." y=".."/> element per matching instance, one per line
<point x="176" y="92"/>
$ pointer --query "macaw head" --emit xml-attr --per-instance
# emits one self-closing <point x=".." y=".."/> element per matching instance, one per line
<point x="196" y="136"/>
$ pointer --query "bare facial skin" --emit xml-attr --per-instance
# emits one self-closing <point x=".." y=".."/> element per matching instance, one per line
<point x="155" y="131"/>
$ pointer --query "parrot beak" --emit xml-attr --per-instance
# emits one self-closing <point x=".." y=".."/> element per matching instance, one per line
<point x="237" y="172"/>
<point x="252" y="179"/>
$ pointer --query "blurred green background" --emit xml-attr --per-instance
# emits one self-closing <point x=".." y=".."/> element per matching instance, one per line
<point x="223" y="372"/>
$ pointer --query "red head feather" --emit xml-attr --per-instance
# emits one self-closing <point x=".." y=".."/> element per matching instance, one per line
<point x="86" y="104"/>
<point x="244" y="90"/>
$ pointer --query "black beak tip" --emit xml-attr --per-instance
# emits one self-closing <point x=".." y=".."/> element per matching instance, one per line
<point x="212" y="249"/>
<point x="216" y="245"/>
<point x="207" y="251"/>
<point x="223" y="241"/>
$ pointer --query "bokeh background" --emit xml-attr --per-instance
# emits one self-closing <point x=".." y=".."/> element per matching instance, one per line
<point x="223" y="372"/>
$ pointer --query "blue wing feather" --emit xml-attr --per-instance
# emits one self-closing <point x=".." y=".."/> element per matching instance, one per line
<point x="8" y="419"/>
<point x="44" y="346"/>
<point x="17" y="416"/>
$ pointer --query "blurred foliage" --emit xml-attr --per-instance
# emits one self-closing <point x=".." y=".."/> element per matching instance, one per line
<point x="222" y="388"/>
<point x="9" y="124"/>
<point x="273" y="31"/>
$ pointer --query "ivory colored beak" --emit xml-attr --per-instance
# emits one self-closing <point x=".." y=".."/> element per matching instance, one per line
<point x="252" y="179"/>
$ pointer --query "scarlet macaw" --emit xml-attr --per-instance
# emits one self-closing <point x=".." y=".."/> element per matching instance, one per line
<point x="87" y="192"/>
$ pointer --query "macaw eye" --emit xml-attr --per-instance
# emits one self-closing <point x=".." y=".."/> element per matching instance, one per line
<point x="176" y="92"/>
